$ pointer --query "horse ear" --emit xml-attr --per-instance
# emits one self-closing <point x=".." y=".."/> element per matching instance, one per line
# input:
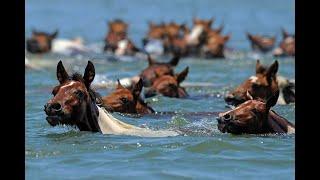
<point x="226" y="37"/>
<point x="272" y="100"/>
<point x="272" y="71"/>
<point x="137" y="88"/>
<point x="150" y="60"/>
<point x="219" y="30"/>
<point x="89" y="74"/>
<point x="119" y="85"/>
<point x="54" y="34"/>
<point x="182" y="76"/>
<point x="175" y="60"/>
<point x="285" y="34"/>
<point x="62" y="74"/>
<point x="258" y="67"/>
<point x="210" y="21"/>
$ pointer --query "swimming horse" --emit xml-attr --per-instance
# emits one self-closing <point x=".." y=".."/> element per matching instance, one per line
<point x="255" y="117"/>
<point x="42" y="42"/>
<point x="263" y="85"/>
<point x="74" y="104"/>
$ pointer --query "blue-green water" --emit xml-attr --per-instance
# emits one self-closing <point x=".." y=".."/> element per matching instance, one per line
<point x="204" y="152"/>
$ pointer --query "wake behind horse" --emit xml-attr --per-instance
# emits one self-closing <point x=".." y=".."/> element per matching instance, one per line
<point x="74" y="104"/>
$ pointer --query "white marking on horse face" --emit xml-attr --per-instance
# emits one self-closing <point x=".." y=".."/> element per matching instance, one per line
<point x="253" y="79"/>
<point x="195" y="33"/>
<point x="122" y="45"/>
<point x="67" y="85"/>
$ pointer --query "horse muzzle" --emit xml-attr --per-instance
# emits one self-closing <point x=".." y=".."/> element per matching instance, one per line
<point x="54" y="113"/>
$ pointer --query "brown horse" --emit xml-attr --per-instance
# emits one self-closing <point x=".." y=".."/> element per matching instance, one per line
<point x="117" y="41"/>
<point x="74" y="104"/>
<point x="155" y="32"/>
<point x="155" y="69"/>
<point x="261" y="43"/>
<point x="263" y="85"/>
<point x="126" y="100"/>
<point x="254" y="117"/>
<point x="287" y="45"/>
<point x="198" y="34"/>
<point x="169" y="85"/>
<point x="40" y="42"/>
<point x="215" y="45"/>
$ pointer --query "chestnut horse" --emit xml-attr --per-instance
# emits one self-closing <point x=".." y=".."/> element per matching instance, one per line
<point x="155" y="69"/>
<point x="40" y="42"/>
<point x="263" y="85"/>
<point x="215" y="45"/>
<point x="126" y="100"/>
<point x="254" y="117"/>
<point x="287" y="45"/>
<point x="169" y="85"/>
<point x="261" y="43"/>
<point x="117" y="41"/>
<point x="74" y="104"/>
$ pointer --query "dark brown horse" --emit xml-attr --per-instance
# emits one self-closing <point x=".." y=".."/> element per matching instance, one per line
<point x="261" y="43"/>
<point x="254" y="117"/>
<point x="126" y="100"/>
<point x="40" y="42"/>
<point x="287" y="45"/>
<point x="263" y="85"/>
<point x="155" y="69"/>
<point x="74" y="102"/>
<point x="169" y="85"/>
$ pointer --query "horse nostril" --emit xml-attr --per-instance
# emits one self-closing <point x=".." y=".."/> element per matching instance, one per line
<point x="56" y="107"/>
<point x="227" y="117"/>
<point x="228" y="97"/>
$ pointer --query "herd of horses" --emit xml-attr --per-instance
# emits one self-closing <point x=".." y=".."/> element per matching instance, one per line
<point x="201" y="40"/>
<point x="75" y="103"/>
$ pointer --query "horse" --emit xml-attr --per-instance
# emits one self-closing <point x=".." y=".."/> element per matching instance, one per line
<point x="154" y="41"/>
<point x="254" y="117"/>
<point x="215" y="45"/>
<point x="125" y="100"/>
<point x="286" y="46"/>
<point x="40" y="42"/>
<point x="116" y="40"/>
<point x="261" y="43"/>
<point x="169" y="85"/>
<point x="155" y="69"/>
<point x="263" y="85"/>
<point x="74" y="104"/>
<point x="285" y="86"/>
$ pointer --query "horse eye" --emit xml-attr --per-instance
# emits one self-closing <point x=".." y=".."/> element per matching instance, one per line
<point x="124" y="100"/>
<point x="79" y="94"/>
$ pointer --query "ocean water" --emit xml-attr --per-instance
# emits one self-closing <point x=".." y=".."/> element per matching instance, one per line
<point x="204" y="152"/>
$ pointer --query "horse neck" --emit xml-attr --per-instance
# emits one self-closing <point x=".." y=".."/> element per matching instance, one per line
<point x="278" y="124"/>
<point x="89" y="122"/>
